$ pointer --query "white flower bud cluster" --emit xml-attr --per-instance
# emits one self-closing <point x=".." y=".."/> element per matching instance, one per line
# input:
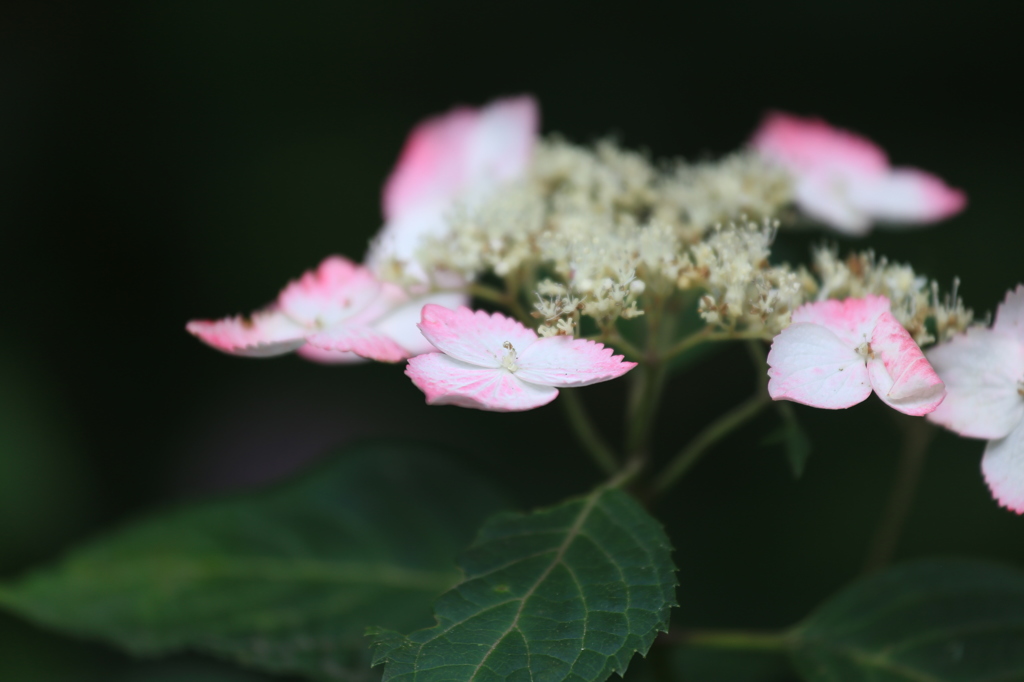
<point x="608" y="223"/>
<point x="915" y="300"/>
<point x="609" y="232"/>
<point x="743" y="291"/>
<point x="709" y="192"/>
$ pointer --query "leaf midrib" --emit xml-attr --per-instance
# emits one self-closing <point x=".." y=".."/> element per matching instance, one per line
<point x="574" y="531"/>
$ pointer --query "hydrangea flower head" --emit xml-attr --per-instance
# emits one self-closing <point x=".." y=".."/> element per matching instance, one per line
<point x="984" y="374"/>
<point x="339" y="312"/>
<point x="845" y="180"/>
<point x="457" y="156"/>
<point x="836" y="352"/>
<point x="492" y="362"/>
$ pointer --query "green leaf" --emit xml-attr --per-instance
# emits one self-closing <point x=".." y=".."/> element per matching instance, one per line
<point x="285" y="580"/>
<point x="932" y="621"/>
<point x="792" y="437"/>
<point x="569" y="592"/>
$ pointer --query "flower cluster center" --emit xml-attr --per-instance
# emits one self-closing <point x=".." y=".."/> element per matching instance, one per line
<point x="508" y="361"/>
<point x="864" y="350"/>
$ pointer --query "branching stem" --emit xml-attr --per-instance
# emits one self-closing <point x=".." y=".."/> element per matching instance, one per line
<point x="708" y="334"/>
<point x="712" y="433"/>
<point x="917" y="434"/>
<point x="586" y="432"/>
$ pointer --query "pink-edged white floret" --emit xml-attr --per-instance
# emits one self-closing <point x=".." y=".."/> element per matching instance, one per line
<point x="459" y="156"/>
<point x="834" y="353"/>
<point x="984" y="374"/>
<point x="338" y="313"/>
<point x="845" y="180"/>
<point x="490" y="362"/>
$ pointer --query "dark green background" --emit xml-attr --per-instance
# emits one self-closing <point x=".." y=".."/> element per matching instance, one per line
<point x="164" y="161"/>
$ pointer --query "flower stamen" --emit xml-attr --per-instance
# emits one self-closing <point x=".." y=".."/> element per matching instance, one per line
<point x="508" y="361"/>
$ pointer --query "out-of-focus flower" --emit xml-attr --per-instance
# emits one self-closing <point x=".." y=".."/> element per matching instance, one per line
<point x="491" y="362"/>
<point x="984" y="375"/>
<point x="457" y="157"/>
<point x="339" y="312"/>
<point x="835" y="352"/>
<point x="845" y="180"/>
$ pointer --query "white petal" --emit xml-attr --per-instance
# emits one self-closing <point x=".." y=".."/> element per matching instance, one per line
<point x="475" y="337"/>
<point x="454" y="153"/>
<point x="329" y="357"/>
<point x="981" y="370"/>
<point x="401" y="324"/>
<point x="336" y="290"/>
<point x="402" y="236"/>
<point x="1003" y="468"/>
<point x="363" y="341"/>
<point x="906" y="195"/>
<point x="853" y="320"/>
<point x="825" y="197"/>
<point x="447" y="381"/>
<point x="264" y="334"/>
<point x="809" y="364"/>
<point x="808" y="144"/>
<point x="563" y="361"/>
<point x="1010" y="316"/>
<point x="900" y="373"/>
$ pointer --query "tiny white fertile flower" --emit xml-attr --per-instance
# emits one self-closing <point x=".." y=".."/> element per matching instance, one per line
<point x="984" y="374"/>
<point x="835" y="352"/>
<point x="491" y="362"/>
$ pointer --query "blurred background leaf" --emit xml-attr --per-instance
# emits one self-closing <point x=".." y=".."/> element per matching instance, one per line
<point x="286" y="580"/>
<point x="947" y="621"/>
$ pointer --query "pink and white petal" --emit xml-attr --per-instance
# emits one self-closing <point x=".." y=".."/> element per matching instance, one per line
<point x="806" y="144"/>
<point x="980" y="369"/>
<point x="445" y="154"/>
<point x="563" y="361"/>
<point x="401" y="323"/>
<point x="900" y="374"/>
<point x="824" y="198"/>
<point x="402" y="236"/>
<point x="265" y="334"/>
<point x="329" y="357"/>
<point x="363" y="341"/>
<point x="447" y="381"/>
<point x="906" y="195"/>
<point x="809" y="364"/>
<point x="852" y="320"/>
<point x="471" y="336"/>
<point x="1010" y="315"/>
<point x="503" y="141"/>
<point x="1003" y="468"/>
<point x="336" y="290"/>
<point x="429" y="166"/>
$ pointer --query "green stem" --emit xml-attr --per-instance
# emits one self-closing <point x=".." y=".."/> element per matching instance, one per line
<point x="757" y="355"/>
<point x="586" y="433"/>
<point x="616" y="341"/>
<point x="626" y="475"/>
<point x="744" y="640"/>
<point x="487" y="293"/>
<point x="707" y="334"/>
<point x="917" y="434"/>
<point x="714" y="432"/>
<point x="643" y="408"/>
